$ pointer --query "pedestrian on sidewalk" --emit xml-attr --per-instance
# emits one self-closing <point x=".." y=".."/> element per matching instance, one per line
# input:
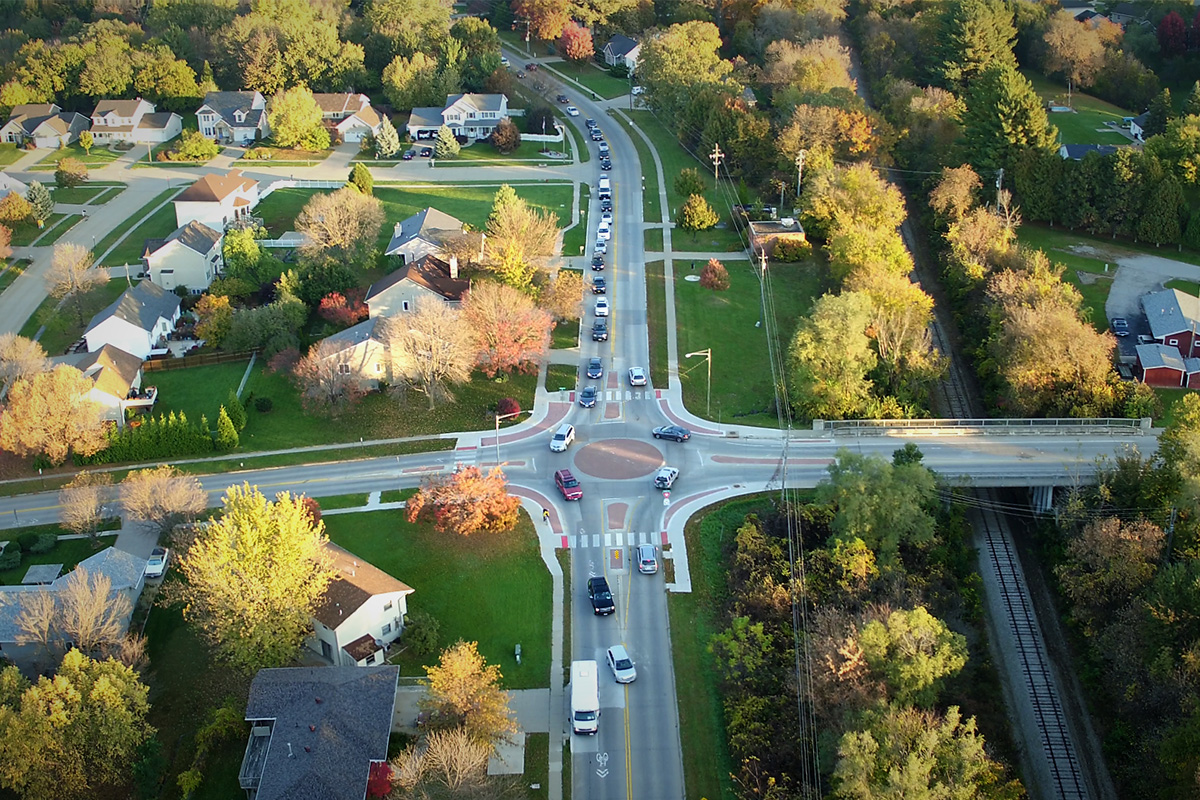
<point x="545" y="515"/>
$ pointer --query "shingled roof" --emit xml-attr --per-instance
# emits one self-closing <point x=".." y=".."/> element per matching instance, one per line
<point x="195" y="236"/>
<point x="111" y="370"/>
<point x="215" y="188"/>
<point x="428" y="271"/>
<point x="142" y="306"/>
<point x="430" y="224"/>
<point x="357" y="582"/>
<point x="227" y="104"/>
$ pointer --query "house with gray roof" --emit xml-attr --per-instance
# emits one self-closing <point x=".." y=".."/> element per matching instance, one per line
<point x="116" y="380"/>
<point x="137" y="322"/>
<point x="622" y="50"/>
<point x="317" y="732"/>
<point x="473" y="116"/>
<point x="125" y="572"/>
<point x="1162" y="365"/>
<point x="1174" y="317"/>
<point x="425" y="232"/>
<point x="134" y="121"/>
<point x="348" y="114"/>
<point x="1137" y="126"/>
<point x="1076" y="152"/>
<point x="44" y="125"/>
<point x="190" y="257"/>
<point x="361" y="351"/>
<point x="236" y="117"/>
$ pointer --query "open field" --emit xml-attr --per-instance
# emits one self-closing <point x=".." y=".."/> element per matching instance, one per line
<point x="742" y="390"/>
<point x="494" y="570"/>
<point x="1086" y="125"/>
<point x="598" y="81"/>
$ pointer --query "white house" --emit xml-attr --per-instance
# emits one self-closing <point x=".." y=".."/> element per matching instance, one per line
<point x="133" y="121"/>
<point x="137" y="322"/>
<point x="237" y="117"/>
<point x="189" y="257"/>
<point x="124" y="571"/>
<point x="217" y="200"/>
<point x="116" y="378"/>
<point x="426" y="277"/>
<point x="423" y="233"/>
<point x="363" y="353"/>
<point x="9" y="184"/>
<point x="361" y="613"/>
<point x="349" y="114"/>
<point x="1137" y="126"/>
<point x="44" y="124"/>
<point x="622" y="50"/>
<point x="474" y="116"/>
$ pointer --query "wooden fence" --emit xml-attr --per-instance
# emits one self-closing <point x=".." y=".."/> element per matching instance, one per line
<point x="202" y="360"/>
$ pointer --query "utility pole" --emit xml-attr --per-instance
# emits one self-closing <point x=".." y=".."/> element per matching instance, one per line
<point x="708" y="357"/>
<point x="799" y="170"/>
<point x="999" y="185"/>
<point x="716" y="157"/>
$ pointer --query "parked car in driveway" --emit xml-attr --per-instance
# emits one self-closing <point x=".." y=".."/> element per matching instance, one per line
<point x="621" y="664"/>
<point x="426" y="152"/>
<point x="595" y="368"/>
<point x="568" y="484"/>
<point x="637" y="376"/>
<point x="408" y="155"/>
<point x="1119" y="326"/>
<point x="587" y="397"/>
<point x="157" y="564"/>
<point x="647" y="558"/>
<point x="676" y="432"/>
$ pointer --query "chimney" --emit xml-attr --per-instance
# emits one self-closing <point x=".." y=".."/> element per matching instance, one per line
<point x="453" y="266"/>
<point x="290" y="753"/>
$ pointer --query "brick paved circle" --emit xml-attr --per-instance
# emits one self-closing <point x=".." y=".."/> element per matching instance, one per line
<point x="616" y="459"/>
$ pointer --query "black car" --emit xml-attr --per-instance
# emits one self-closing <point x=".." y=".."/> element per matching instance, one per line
<point x="606" y="205"/>
<point x="601" y="596"/>
<point x="597" y="262"/>
<point x="562" y="98"/>
<point x="408" y="155"/>
<point x="426" y="152"/>
<point x="599" y="286"/>
<point x="591" y="123"/>
<point x="599" y="331"/>
<point x="595" y="368"/>
<point x="606" y="165"/>
<point x="676" y="432"/>
<point x="587" y="397"/>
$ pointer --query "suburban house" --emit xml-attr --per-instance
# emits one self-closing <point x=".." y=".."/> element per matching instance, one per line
<point x="1137" y="126"/>
<point x="424" y="232"/>
<point x="765" y="235"/>
<point x="361" y="352"/>
<point x="1162" y="365"/>
<point x="137" y="322"/>
<point x="235" y="117"/>
<point x="1124" y="13"/>
<point x="44" y="124"/>
<point x="622" y="50"/>
<point x="124" y="571"/>
<point x="427" y="277"/>
<point x="133" y="121"/>
<point x="473" y="116"/>
<point x="361" y="613"/>
<point x="1174" y="317"/>
<point x="350" y="115"/>
<point x="1076" y="152"/>
<point x="1078" y="8"/>
<point x="189" y="257"/>
<point x="217" y="200"/>
<point x="9" y="184"/>
<point x="316" y="732"/>
<point x="116" y="378"/>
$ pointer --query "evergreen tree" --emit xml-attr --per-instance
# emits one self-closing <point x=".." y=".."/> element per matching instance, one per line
<point x="227" y="435"/>
<point x="1121" y="201"/>
<point x="1192" y="106"/>
<point x="237" y="411"/>
<point x="1004" y="116"/>
<point x="1161" y="210"/>
<point x="387" y="141"/>
<point x="207" y="83"/>
<point x="446" y="145"/>
<point x="973" y="35"/>
<point x="40" y="202"/>
<point x="1191" y="236"/>
<point x="1159" y="115"/>
<point x="360" y="178"/>
<point x="1036" y="180"/>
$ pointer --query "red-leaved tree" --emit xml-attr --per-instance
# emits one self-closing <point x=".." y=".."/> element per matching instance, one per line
<point x="466" y="502"/>
<point x="576" y="43"/>
<point x="508" y="405"/>
<point x="343" y="309"/>
<point x="312" y="508"/>
<point x="379" y="780"/>
<point x="510" y="332"/>
<point x="547" y="18"/>
<point x="714" y="276"/>
<point x="1172" y="36"/>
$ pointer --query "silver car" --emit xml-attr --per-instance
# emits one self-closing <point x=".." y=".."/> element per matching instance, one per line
<point x="647" y="558"/>
<point x="621" y="664"/>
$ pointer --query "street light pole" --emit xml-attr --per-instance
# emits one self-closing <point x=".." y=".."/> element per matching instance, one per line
<point x="498" y="418"/>
<point x="708" y="399"/>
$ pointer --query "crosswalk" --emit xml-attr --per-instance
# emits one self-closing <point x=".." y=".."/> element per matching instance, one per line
<point x="620" y="395"/>
<point x="618" y="539"/>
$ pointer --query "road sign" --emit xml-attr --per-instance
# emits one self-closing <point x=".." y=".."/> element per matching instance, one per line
<point x="666" y="497"/>
<point x="616" y="558"/>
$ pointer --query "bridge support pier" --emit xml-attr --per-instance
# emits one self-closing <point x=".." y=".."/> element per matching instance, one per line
<point x="1041" y="498"/>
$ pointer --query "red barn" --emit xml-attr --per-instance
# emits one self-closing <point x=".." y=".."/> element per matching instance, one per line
<point x="1174" y="318"/>
<point x="1161" y="365"/>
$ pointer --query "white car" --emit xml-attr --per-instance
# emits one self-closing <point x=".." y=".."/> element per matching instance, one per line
<point x="572" y="111"/>
<point x="639" y="90"/>
<point x="504" y="61"/>
<point x="606" y="218"/>
<point x="621" y="664"/>
<point x="601" y="247"/>
<point x="157" y="564"/>
<point x="602" y="307"/>
<point x="665" y="477"/>
<point x="604" y="231"/>
<point x="637" y="376"/>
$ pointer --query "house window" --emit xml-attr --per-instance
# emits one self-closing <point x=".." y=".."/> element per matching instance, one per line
<point x="1174" y="342"/>
<point x="388" y="606"/>
<point x="343" y="369"/>
<point x="387" y="629"/>
<point x="404" y="306"/>
<point x="371" y="658"/>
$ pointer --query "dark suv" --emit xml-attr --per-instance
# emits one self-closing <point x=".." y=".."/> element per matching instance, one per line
<point x="601" y="596"/>
<point x="599" y="331"/>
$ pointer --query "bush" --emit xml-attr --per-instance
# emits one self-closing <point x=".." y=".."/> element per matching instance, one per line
<point x="44" y="544"/>
<point x="27" y="541"/>
<point x="507" y="405"/>
<point x="263" y="404"/>
<point x="157" y="437"/>
<point x="789" y="251"/>
<point x="422" y="633"/>
<point x="10" y="557"/>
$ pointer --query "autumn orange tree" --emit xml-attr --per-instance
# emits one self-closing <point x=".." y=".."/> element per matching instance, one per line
<point x="466" y="502"/>
<point x="465" y="692"/>
<point x="714" y="276"/>
<point x="51" y="415"/>
<point x="510" y="332"/>
<point x="576" y="42"/>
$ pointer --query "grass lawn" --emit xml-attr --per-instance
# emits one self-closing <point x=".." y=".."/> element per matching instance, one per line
<point x="597" y="80"/>
<point x="99" y="157"/>
<point x="565" y="334"/>
<point x="561" y="376"/>
<point x="656" y="321"/>
<point x="499" y="572"/>
<point x="1087" y="124"/>
<point x="742" y="391"/>
<point x="344" y="501"/>
<point x="110" y="193"/>
<point x="64" y="328"/>
<point x="24" y="233"/>
<point x="1170" y="398"/>
<point x="68" y="552"/>
<point x="651" y="206"/>
<point x="694" y="617"/>
<point x="482" y="151"/>
<point x="129" y="251"/>
<point x="78" y="194"/>
<point x="9" y="154"/>
<point x="285" y="155"/>
<point x="583" y="153"/>
<point x="537" y="764"/>
<point x="116" y="233"/>
<point x="575" y="239"/>
<point x="1084" y="272"/>
<point x="56" y="226"/>
<point x="654" y="240"/>
<point x="12" y="272"/>
<point x="196" y="390"/>
<point x="280" y="208"/>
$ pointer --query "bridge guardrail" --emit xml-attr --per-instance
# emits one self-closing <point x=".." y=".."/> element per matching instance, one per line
<point x="879" y="427"/>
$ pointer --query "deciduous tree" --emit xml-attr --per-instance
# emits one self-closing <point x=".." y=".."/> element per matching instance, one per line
<point x="696" y="215"/>
<point x="1074" y="49"/>
<point x="576" y="43"/>
<point x="466" y="502"/>
<point x="1172" y="34"/>
<point x="20" y="358"/>
<point x="15" y="209"/>
<point x="50" y="414"/>
<point x="955" y="193"/>
<point x="254" y="577"/>
<point x="294" y="117"/>
<point x="714" y="276"/>
<point x="506" y="138"/>
<point x="547" y="18"/>
<point x="342" y="225"/>
<point x="83" y="501"/>
<point x="831" y="355"/>
<point x="913" y="651"/>
<point x="73" y="734"/>
<point x="676" y="62"/>
<point x="510" y="332"/>
<point x="688" y="182"/>
<point x="163" y="497"/>
<point x="41" y="205"/>
<point x="847" y="196"/>
<point x="327" y="379"/>
<point x="70" y="173"/>
<point x="465" y="689"/>
<point x="341" y="310"/>
<point x="519" y="239"/>
<point x="409" y="82"/>
<point x="563" y="296"/>
<point x="1106" y="564"/>
<point x="91" y="614"/>
<point x="71" y="275"/>
<point x="431" y="349"/>
<point x="215" y="318"/>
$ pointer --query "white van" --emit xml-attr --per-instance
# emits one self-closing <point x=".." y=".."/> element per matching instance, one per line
<point x="604" y="185"/>
<point x="585" y="697"/>
<point x="562" y="438"/>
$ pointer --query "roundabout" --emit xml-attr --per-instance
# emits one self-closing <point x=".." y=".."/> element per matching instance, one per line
<point x="618" y="459"/>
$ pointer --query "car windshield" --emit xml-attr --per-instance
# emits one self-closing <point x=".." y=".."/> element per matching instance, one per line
<point x="624" y="663"/>
<point x="569" y="482"/>
<point x="604" y="594"/>
<point x="585" y="716"/>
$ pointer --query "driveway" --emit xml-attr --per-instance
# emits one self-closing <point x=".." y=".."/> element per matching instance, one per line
<point x="1137" y="275"/>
